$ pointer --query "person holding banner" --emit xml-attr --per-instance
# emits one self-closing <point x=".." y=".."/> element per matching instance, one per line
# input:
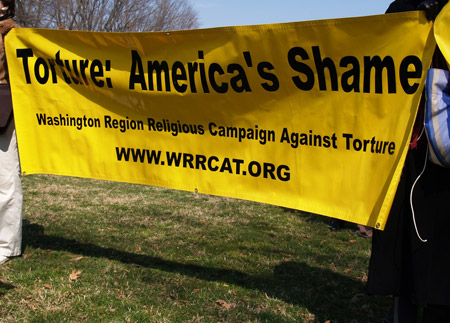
<point x="10" y="185"/>
<point x="409" y="258"/>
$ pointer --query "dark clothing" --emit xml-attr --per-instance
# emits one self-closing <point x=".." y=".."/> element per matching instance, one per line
<point x="5" y="94"/>
<point x="5" y="26"/>
<point x="401" y="264"/>
<point x="403" y="5"/>
<point x="431" y="7"/>
<point x="6" y="110"/>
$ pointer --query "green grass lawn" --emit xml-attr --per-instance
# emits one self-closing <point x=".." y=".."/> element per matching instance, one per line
<point x="98" y="251"/>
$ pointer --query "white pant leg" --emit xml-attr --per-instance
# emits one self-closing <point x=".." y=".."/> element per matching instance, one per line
<point x="10" y="195"/>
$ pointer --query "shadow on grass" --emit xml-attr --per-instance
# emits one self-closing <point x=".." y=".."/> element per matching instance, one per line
<point x="321" y="219"/>
<point x="5" y="287"/>
<point x="310" y="217"/>
<point x="323" y="292"/>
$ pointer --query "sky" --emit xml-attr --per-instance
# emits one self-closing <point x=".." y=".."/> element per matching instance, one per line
<point x="220" y="13"/>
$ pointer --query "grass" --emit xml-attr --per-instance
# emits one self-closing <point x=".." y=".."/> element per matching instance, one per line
<point x="98" y="251"/>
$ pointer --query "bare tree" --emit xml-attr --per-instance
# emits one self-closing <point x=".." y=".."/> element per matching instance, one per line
<point x="107" y="15"/>
<point x="30" y="13"/>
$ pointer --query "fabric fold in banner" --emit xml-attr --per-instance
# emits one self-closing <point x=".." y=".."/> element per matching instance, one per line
<point x="314" y="115"/>
<point x="441" y="26"/>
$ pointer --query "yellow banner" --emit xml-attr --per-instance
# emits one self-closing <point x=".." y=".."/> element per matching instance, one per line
<point x="441" y="28"/>
<point x="313" y="115"/>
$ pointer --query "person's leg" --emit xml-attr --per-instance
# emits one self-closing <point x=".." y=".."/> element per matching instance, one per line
<point x="10" y="196"/>
<point x="402" y="311"/>
<point x="364" y="231"/>
<point x="336" y="224"/>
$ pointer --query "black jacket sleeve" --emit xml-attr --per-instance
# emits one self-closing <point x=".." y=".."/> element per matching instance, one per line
<point x="403" y="5"/>
<point x="431" y="7"/>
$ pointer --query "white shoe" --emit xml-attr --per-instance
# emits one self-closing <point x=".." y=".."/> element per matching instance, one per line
<point x="3" y="259"/>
